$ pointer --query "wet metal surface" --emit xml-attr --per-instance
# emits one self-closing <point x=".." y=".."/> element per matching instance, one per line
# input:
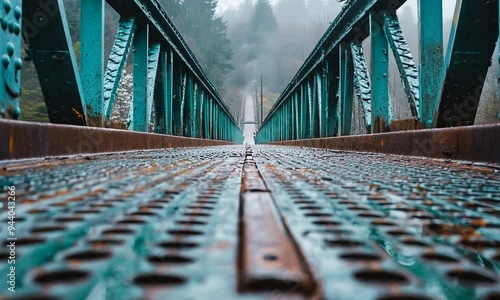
<point x="472" y="143"/>
<point x="265" y="222"/>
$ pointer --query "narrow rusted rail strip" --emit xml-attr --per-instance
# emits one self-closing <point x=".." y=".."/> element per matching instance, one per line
<point x="266" y="222"/>
<point x="473" y="143"/>
<point x="31" y="140"/>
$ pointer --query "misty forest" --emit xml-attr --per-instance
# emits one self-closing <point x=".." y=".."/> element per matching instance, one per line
<point x="238" y="45"/>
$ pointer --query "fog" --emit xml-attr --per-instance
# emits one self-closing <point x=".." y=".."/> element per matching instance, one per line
<point x="273" y="39"/>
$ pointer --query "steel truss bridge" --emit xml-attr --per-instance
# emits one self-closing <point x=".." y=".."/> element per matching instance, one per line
<point x="175" y="208"/>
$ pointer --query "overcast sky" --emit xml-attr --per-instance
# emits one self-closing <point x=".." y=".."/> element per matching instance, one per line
<point x="448" y="5"/>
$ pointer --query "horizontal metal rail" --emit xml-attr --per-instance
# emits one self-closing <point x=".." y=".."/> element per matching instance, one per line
<point x="441" y="92"/>
<point x="171" y="93"/>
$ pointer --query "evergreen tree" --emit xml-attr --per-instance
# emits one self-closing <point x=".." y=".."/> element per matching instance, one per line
<point x="205" y="34"/>
<point x="263" y="19"/>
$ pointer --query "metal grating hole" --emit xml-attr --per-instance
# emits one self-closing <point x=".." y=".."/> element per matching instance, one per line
<point x="343" y="242"/>
<point x="370" y="216"/>
<point x="144" y="214"/>
<point x="105" y="242"/>
<point x="380" y="277"/>
<point x="169" y="259"/>
<point x="185" y="232"/>
<point x="469" y="277"/>
<point x="118" y="231"/>
<point x="496" y="257"/>
<point x="310" y="207"/>
<point x="102" y="205"/>
<point x="61" y="277"/>
<point x="194" y="214"/>
<point x="414" y="243"/>
<point x="208" y="198"/>
<point x="360" y="257"/>
<point x="178" y="245"/>
<point x="383" y="222"/>
<point x="318" y="215"/>
<point x="69" y="219"/>
<point x="161" y="201"/>
<point x="488" y="201"/>
<point x="440" y="258"/>
<point x="191" y="222"/>
<point x="152" y="207"/>
<point x="326" y="223"/>
<point x="480" y="243"/>
<point x="18" y="219"/>
<point x="304" y="202"/>
<point x="357" y="208"/>
<point x="29" y="241"/>
<point x="88" y="255"/>
<point x="270" y="257"/>
<point x="153" y="279"/>
<point x="131" y="222"/>
<point x="47" y="229"/>
<point x="116" y="200"/>
<point x="36" y="211"/>
<point x="206" y="202"/>
<point x="404" y="297"/>
<point x="88" y="211"/>
<point x="201" y="207"/>
<point x="336" y="231"/>
<point x="4" y="255"/>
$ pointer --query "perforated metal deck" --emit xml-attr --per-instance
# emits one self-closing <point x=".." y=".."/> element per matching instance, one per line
<point x="252" y="223"/>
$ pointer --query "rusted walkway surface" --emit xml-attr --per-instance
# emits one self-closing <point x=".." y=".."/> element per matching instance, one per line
<point x="252" y="223"/>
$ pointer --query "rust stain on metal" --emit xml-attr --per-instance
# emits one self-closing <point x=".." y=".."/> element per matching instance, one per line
<point x="269" y="259"/>
<point x="472" y="143"/>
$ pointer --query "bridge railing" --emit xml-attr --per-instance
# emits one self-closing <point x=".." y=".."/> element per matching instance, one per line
<point x="442" y="91"/>
<point x="170" y="89"/>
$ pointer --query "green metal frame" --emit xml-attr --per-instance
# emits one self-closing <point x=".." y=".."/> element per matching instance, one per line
<point x="11" y="14"/>
<point x="170" y="88"/>
<point x="441" y="93"/>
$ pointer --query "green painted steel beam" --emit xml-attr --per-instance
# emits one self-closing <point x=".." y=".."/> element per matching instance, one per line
<point x="362" y="84"/>
<point x="333" y="93"/>
<point x="472" y="42"/>
<point x="320" y="107"/>
<point x="352" y="20"/>
<point x="153" y="62"/>
<point x="346" y="88"/>
<point x="10" y="71"/>
<point x="138" y="110"/>
<point x="404" y="60"/>
<point x="92" y="59"/>
<point x="381" y="105"/>
<point x="176" y="99"/>
<point x="431" y="58"/>
<point x="50" y="47"/>
<point x="159" y="20"/>
<point x="116" y="63"/>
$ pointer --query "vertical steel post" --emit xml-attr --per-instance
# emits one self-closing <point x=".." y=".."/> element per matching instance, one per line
<point x="346" y="88"/>
<point x="92" y="59"/>
<point x="381" y="106"/>
<point x="261" y="102"/>
<point x="431" y="58"/>
<point x="319" y="105"/>
<point x="138" y="111"/>
<point x="332" y="93"/>
<point x="169" y="91"/>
